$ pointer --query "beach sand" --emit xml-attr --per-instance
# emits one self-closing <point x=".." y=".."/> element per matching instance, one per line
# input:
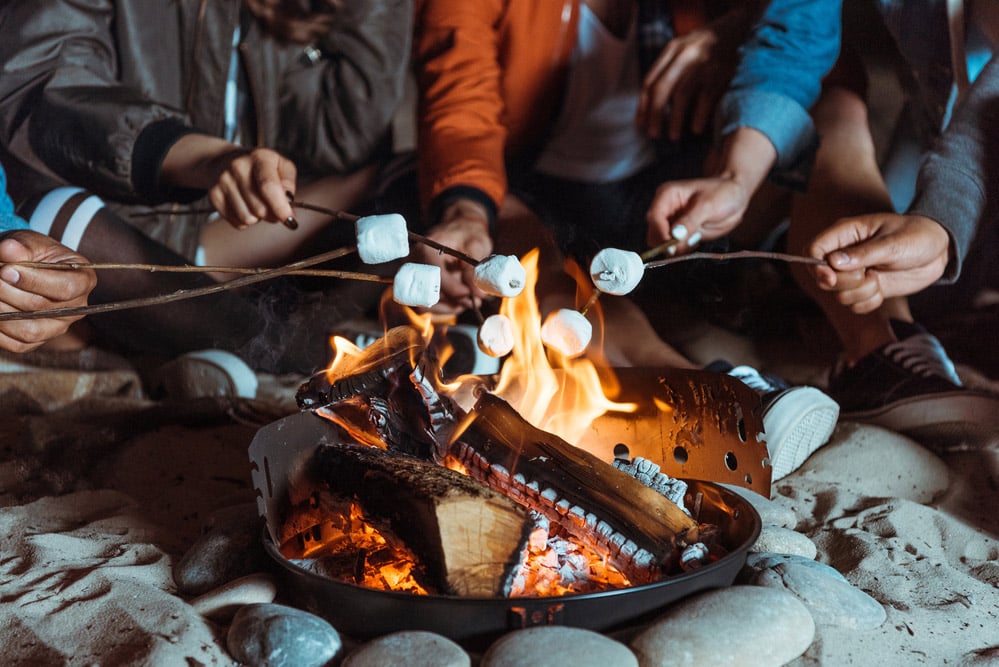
<point x="93" y="523"/>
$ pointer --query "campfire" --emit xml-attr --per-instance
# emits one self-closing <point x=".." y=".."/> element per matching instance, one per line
<point x="477" y="489"/>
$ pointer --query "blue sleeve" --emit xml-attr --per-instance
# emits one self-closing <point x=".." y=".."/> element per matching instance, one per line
<point x="9" y="221"/>
<point x="791" y="48"/>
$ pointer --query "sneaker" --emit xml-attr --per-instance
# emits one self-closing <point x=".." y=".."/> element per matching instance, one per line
<point x="912" y="387"/>
<point x="796" y="420"/>
<point x="206" y="373"/>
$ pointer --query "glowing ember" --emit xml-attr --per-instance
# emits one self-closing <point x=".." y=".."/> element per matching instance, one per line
<point x="349" y="546"/>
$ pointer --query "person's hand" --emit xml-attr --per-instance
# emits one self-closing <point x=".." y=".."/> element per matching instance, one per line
<point x="245" y="186"/>
<point x="25" y="289"/>
<point x="299" y="21"/>
<point x="253" y="186"/>
<point x="686" y="81"/>
<point x="875" y="257"/>
<point x="706" y="208"/>
<point x="711" y="207"/>
<point x="463" y="227"/>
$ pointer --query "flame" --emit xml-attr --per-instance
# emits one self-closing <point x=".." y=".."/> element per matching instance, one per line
<point x="562" y="399"/>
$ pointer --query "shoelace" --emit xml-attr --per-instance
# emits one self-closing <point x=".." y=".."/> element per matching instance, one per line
<point x="923" y="355"/>
<point x="751" y="378"/>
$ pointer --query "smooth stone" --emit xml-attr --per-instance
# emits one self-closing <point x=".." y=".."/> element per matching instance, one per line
<point x="773" y="539"/>
<point x="771" y="513"/>
<point x="413" y="648"/>
<point x="758" y="562"/>
<point x="749" y="626"/>
<point x="557" y="646"/>
<point x="273" y="635"/>
<point x="831" y="599"/>
<point x="223" y="602"/>
<point x="229" y="548"/>
<point x="905" y="468"/>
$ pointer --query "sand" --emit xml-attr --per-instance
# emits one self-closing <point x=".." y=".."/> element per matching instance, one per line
<point x="91" y="527"/>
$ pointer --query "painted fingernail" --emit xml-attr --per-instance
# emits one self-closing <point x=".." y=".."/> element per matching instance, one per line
<point x="694" y="239"/>
<point x="10" y="275"/>
<point x="840" y="259"/>
<point x="679" y="232"/>
<point x="289" y="195"/>
<point x="291" y="223"/>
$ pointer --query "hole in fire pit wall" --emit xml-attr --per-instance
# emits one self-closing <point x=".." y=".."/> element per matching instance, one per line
<point x="680" y="455"/>
<point x="740" y="423"/>
<point x="622" y="452"/>
<point x="749" y="479"/>
<point x="730" y="461"/>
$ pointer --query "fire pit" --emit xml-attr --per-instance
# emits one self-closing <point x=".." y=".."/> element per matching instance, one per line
<point x="563" y="445"/>
<point x="281" y="450"/>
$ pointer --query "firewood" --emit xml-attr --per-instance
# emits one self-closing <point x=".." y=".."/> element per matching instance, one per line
<point x="468" y="537"/>
<point x="580" y="487"/>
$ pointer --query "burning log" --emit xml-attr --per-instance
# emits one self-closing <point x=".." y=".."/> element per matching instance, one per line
<point x="467" y="536"/>
<point x="637" y="526"/>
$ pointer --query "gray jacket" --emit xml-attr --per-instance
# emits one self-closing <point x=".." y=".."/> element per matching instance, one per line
<point x="94" y="92"/>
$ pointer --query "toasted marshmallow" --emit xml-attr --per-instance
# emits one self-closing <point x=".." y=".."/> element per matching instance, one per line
<point x="496" y="336"/>
<point x="381" y="238"/>
<point x="417" y="285"/>
<point x="500" y="275"/>
<point x="616" y="271"/>
<point x="567" y="331"/>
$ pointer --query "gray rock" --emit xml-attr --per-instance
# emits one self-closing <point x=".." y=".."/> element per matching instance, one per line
<point x="229" y="548"/>
<point x="784" y="541"/>
<point x="557" y="646"/>
<point x="762" y="561"/>
<point x="771" y="513"/>
<point x="273" y="635"/>
<point x="413" y="648"/>
<point x="223" y="602"/>
<point x="831" y="599"/>
<point x="749" y="626"/>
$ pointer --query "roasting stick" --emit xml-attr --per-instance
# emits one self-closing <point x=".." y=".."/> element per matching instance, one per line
<point x="649" y="254"/>
<point x="188" y="268"/>
<point x="179" y="295"/>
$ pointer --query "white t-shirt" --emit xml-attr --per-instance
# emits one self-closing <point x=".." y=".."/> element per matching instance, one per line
<point x="595" y="139"/>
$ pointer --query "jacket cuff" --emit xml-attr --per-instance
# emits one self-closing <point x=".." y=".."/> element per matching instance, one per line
<point x="957" y="209"/>
<point x="151" y="147"/>
<point x="785" y="122"/>
<point x="453" y="194"/>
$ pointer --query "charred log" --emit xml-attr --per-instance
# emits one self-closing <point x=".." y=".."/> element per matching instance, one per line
<point x="467" y="536"/>
<point x="637" y="526"/>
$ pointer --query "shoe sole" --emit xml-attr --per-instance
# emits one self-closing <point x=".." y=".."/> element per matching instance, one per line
<point x="948" y="419"/>
<point x="808" y="417"/>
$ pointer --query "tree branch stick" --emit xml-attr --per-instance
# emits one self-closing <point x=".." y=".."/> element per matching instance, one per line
<point x="179" y="295"/>
<point x="187" y="268"/>
<point x="742" y="254"/>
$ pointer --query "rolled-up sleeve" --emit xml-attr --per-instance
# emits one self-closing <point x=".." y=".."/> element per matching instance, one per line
<point x="791" y="48"/>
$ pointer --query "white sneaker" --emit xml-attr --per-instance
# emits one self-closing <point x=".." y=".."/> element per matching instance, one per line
<point x="796" y="420"/>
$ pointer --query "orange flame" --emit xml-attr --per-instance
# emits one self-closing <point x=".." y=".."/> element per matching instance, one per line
<point x="562" y="399"/>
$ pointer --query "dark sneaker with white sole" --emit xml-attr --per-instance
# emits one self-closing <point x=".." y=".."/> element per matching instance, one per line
<point x="912" y="387"/>
<point x="797" y="420"/>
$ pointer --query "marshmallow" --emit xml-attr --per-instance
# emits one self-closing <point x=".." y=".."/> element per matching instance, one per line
<point x="567" y="331"/>
<point x="496" y="336"/>
<point x="417" y="285"/>
<point x="616" y="271"/>
<point x="500" y="275"/>
<point x="381" y="238"/>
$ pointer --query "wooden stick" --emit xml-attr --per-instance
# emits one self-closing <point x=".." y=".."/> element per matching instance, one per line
<point x="187" y="268"/>
<point x="413" y="236"/>
<point x="179" y="295"/>
<point x="741" y="254"/>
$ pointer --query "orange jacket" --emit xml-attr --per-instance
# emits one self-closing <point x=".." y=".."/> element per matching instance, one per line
<point x="490" y="75"/>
